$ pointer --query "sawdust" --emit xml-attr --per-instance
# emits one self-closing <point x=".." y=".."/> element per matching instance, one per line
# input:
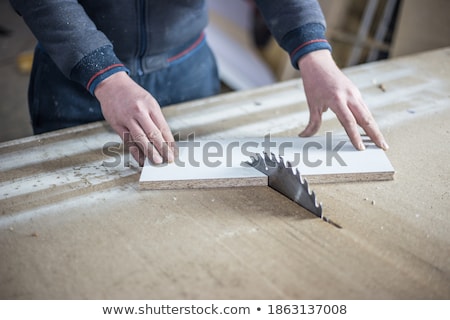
<point x="381" y="87"/>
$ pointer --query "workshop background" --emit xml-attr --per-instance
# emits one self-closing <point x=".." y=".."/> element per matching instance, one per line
<point x="359" y="31"/>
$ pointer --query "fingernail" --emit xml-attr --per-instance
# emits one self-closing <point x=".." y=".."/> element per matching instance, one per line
<point x="384" y="145"/>
<point x="157" y="159"/>
<point x="170" y="157"/>
<point x="361" y="146"/>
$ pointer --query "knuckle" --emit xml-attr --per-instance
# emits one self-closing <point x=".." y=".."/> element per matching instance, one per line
<point x="366" y="121"/>
<point x="137" y="137"/>
<point x="139" y="107"/>
<point x="347" y="120"/>
<point x="153" y="135"/>
<point x="166" y="131"/>
<point x="354" y="93"/>
<point x="136" y="107"/>
<point x="339" y="97"/>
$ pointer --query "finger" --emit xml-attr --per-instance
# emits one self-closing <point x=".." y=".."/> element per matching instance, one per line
<point x="366" y="121"/>
<point x="315" y="121"/>
<point x="161" y="123"/>
<point x="129" y="145"/>
<point x="132" y="147"/>
<point x="155" y="137"/>
<point x="350" y="125"/>
<point x="158" y="132"/>
<point x="140" y="139"/>
<point x="136" y="152"/>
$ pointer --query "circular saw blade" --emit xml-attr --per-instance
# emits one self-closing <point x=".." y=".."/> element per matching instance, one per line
<point x="288" y="181"/>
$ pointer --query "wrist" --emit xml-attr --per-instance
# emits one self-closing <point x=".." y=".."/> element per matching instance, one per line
<point x="111" y="83"/>
<point x="315" y="57"/>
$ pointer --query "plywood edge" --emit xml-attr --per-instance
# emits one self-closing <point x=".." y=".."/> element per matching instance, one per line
<point x="203" y="183"/>
<point x="350" y="177"/>
<point x="262" y="181"/>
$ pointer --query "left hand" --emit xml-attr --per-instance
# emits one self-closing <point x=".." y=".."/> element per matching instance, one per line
<point x="137" y="118"/>
<point x="327" y="87"/>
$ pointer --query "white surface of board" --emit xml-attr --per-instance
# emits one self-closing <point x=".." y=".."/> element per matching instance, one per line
<point x="216" y="163"/>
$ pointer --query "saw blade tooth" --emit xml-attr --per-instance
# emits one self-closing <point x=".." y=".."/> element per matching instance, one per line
<point x="293" y="170"/>
<point x="313" y="195"/>
<point x="273" y="157"/>
<point x="320" y="209"/>
<point x="281" y="163"/>
<point x="270" y="160"/>
<point x="289" y="165"/>
<point x="266" y="158"/>
<point x="255" y="160"/>
<point x="306" y="184"/>
<point x="258" y="158"/>
<point x="265" y="162"/>
<point x="300" y="178"/>
<point x="317" y="204"/>
<point x="251" y="162"/>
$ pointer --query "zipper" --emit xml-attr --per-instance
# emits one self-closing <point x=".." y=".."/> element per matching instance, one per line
<point x="143" y="36"/>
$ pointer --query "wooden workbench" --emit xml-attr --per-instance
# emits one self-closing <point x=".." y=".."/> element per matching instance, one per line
<point x="73" y="227"/>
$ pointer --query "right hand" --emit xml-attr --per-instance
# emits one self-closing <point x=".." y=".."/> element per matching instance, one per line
<point x="137" y="118"/>
<point x="327" y="87"/>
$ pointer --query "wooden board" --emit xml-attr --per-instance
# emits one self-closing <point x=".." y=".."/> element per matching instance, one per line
<point x="72" y="226"/>
<point x="221" y="163"/>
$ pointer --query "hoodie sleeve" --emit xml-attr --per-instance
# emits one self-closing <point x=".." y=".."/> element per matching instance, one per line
<point x="297" y="25"/>
<point x="64" y="30"/>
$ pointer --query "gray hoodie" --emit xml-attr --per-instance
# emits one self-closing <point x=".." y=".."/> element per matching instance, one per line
<point x="90" y="40"/>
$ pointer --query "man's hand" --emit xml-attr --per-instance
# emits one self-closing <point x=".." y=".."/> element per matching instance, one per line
<point x="327" y="87"/>
<point x="136" y="116"/>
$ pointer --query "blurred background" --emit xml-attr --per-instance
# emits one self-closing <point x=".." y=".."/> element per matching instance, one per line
<point x="360" y="31"/>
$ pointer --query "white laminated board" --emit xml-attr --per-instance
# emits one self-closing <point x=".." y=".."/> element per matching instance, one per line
<point x="219" y="163"/>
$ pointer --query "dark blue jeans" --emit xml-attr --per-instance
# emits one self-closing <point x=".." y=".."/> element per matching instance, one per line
<point x="55" y="102"/>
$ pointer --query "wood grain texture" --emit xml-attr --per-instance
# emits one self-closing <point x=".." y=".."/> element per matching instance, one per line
<point x="74" y="223"/>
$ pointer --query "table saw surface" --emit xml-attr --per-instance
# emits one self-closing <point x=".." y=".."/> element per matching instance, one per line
<point x="73" y="227"/>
